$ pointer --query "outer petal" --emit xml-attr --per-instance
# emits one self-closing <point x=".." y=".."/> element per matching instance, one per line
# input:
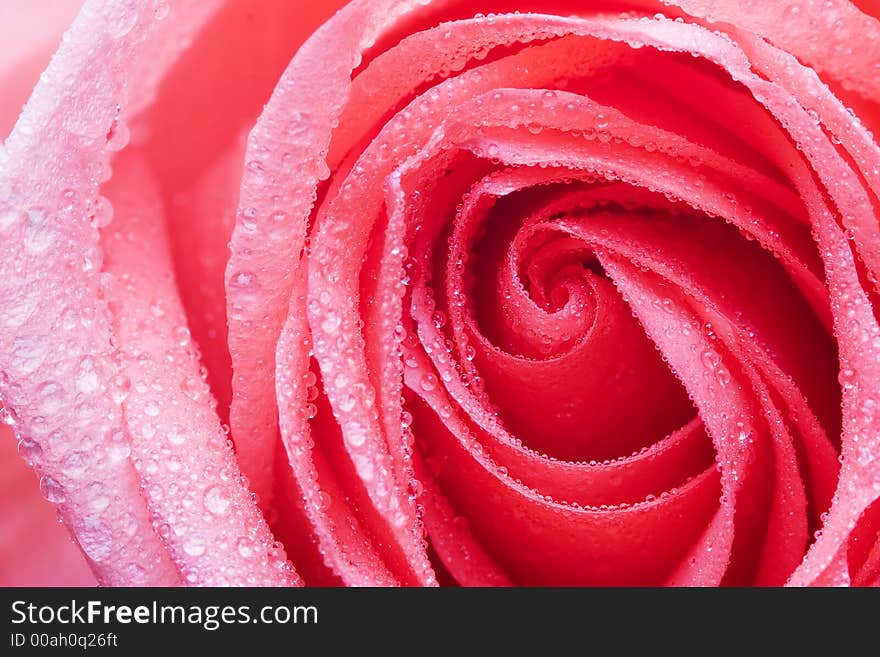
<point x="62" y="354"/>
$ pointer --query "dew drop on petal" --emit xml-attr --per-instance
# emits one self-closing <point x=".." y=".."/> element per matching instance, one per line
<point x="39" y="235"/>
<point x="87" y="375"/>
<point x="7" y="416"/>
<point x="355" y="434"/>
<point x="245" y="547"/>
<point x="119" y="135"/>
<point x="52" y="490"/>
<point x="428" y="382"/>
<point x="182" y="336"/>
<point x="119" y="449"/>
<point x="216" y="500"/>
<point x="121" y="18"/>
<point x="102" y="213"/>
<point x="121" y="388"/>
<point x="161" y="10"/>
<point x="194" y="546"/>
<point x="29" y="450"/>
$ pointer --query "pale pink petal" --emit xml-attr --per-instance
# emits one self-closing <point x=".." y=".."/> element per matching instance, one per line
<point x="199" y="502"/>
<point x="56" y="347"/>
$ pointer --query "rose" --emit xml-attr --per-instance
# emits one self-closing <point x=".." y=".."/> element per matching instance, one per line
<point x="518" y="298"/>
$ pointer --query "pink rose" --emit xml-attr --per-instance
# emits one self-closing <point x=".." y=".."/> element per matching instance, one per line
<point x="430" y="296"/>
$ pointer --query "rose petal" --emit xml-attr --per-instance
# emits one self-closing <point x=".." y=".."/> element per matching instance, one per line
<point x="63" y="354"/>
<point x="793" y="26"/>
<point x="286" y="148"/>
<point x="199" y="502"/>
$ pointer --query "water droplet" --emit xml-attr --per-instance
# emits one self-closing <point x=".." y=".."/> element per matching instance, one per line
<point x="95" y="539"/>
<point x="355" y="434"/>
<point x="417" y="487"/>
<point x="182" y="336"/>
<point x="711" y="360"/>
<point x="245" y="547"/>
<point x="121" y="18"/>
<point x="75" y="464"/>
<point x="87" y="379"/>
<point x="98" y="499"/>
<point x="216" y="500"/>
<point x="29" y="450"/>
<point x="121" y="388"/>
<point x="176" y="435"/>
<point x="864" y="456"/>
<point x="161" y="11"/>
<point x="428" y="382"/>
<point x="38" y="236"/>
<point x="7" y="417"/>
<point x="119" y="135"/>
<point x="52" y="490"/>
<point x="364" y="467"/>
<point x="244" y="280"/>
<point x="192" y="387"/>
<point x="129" y="523"/>
<point x="194" y="545"/>
<point x="247" y="219"/>
<point x="119" y="449"/>
<point x="311" y="411"/>
<point x="330" y="323"/>
<point x="28" y="352"/>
